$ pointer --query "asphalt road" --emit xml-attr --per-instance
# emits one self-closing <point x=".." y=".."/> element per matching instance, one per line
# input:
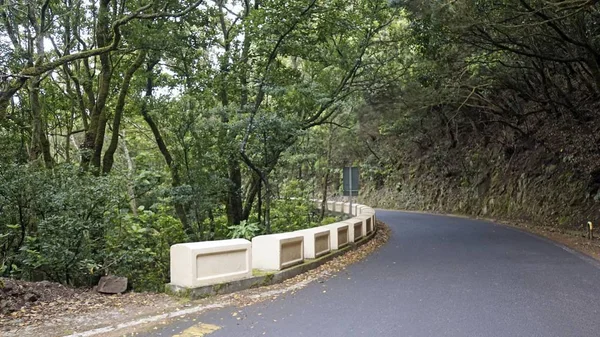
<point x="437" y="276"/>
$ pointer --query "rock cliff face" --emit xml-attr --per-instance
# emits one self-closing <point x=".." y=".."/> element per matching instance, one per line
<point x="529" y="187"/>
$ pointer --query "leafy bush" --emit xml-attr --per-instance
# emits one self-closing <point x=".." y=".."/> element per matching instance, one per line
<point x="53" y="222"/>
<point x="138" y="247"/>
<point x="245" y="230"/>
<point x="71" y="227"/>
<point x="329" y="220"/>
<point x="289" y="215"/>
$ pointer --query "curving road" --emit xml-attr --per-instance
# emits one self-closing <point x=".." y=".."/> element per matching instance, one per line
<point x="437" y="276"/>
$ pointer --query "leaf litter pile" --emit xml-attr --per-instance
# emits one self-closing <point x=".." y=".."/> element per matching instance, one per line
<point x="47" y="309"/>
<point x="29" y="303"/>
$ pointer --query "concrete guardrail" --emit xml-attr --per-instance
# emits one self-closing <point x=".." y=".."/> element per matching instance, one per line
<point x="277" y="251"/>
<point x="339" y="235"/>
<point x="317" y="241"/>
<point x="201" y="264"/>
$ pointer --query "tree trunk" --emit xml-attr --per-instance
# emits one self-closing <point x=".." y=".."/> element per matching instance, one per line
<point x="130" y="177"/>
<point x="234" y="199"/>
<point x="253" y="190"/>
<point x="108" y="161"/>
<point x="267" y="205"/>
<point x="324" y="199"/>
<point x="40" y="146"/>
<point x="175" y="177"/>
<point x="327" y="173"/>
<point x="94" y="136"/>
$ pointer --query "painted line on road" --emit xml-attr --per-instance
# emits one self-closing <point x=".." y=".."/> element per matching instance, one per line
<point x="151" y="319"/>
<point x="158" y="318"/>
<point x="199" y="330"/>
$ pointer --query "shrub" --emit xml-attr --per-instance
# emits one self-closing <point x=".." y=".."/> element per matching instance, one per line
<point x="53" y="222"/>
<point x="138" y="247"/>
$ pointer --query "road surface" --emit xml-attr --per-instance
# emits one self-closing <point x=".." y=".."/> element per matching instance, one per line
<point x="436" y="276"/>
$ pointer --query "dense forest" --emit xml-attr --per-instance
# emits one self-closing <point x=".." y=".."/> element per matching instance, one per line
<point x="128" y="126"/>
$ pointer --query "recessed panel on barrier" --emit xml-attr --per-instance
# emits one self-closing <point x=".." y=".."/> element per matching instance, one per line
<point x="339" y="236"/>
<point x="369" y="225"/>
<point x="291" y="253"/>
<point x="277" y="251"/>
<point x="322" y="245"/>
<point x="223" y="263"/>
<point x="347" y="209"/>
<point x="316" y="241"/>
<point x="355" y="229"/>
<point x="204" y="263"/>
<point x="358" y="231"/>
<point x="339" y="207"/>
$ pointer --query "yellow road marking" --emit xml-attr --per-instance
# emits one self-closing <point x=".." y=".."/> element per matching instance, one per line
<point x="199" y="330"/>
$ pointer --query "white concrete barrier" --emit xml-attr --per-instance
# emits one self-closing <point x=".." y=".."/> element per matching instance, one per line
<point x="367" y="223"/>
<point x="277" y="251"/>
<point x="355" y="229"/>
<point x="316" y="241"/>
<point x="340" y="234"/>
<point x="368" y="211"/>
<point x="361" y="209"/>
<point x="195" y="265"/>
<point x="317" y="203"/>
<point x="355" y="209"/>
<point x="347" y="209"/>
<point x="204" y="263"/>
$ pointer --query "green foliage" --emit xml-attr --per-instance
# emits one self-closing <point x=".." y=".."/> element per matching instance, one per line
<point x="290" y="215"/>
<point x="75" y="229"/>
<point x="329" y="220"/>
<point x="215" y="122"/>
<point x="245" y="230"/>
<point x="52" y="221"/>
<point x="138" y="247"/>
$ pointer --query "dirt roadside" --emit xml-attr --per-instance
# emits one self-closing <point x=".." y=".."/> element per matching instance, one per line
<point x="574" y="240"/>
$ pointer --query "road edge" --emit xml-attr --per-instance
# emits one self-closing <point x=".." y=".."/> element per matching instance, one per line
<point x="527" y="229"/>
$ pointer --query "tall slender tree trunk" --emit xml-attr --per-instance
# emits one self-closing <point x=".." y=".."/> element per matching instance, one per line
<point x="164" y="150"/>
<point x="327" y="173"/>
<point x="40" y="146"/>
<point x="94" y="136"/>
<point x="130" y="177"/>
<point x="108" y="160"/>
<point x="234" y="201"/>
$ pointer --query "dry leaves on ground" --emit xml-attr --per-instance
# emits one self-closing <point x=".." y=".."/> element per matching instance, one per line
<point x="27" y="303"/>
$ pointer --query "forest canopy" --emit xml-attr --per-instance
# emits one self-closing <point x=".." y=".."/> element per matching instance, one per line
<point x="128" y="126"/>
